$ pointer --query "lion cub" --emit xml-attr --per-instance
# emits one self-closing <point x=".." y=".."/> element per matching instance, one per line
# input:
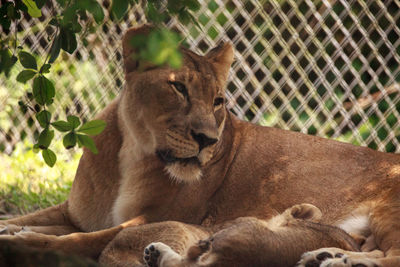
<point x="249" y="241"/>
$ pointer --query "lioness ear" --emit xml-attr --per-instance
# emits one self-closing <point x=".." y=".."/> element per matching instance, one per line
<point x="128" y="51"/>
<point x="221" y="57"/>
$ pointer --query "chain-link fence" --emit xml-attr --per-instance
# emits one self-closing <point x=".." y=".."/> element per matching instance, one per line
<point x="324" y="67"/>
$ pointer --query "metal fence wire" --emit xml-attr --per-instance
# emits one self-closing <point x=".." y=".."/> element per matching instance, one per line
<point x="325" y="67"/>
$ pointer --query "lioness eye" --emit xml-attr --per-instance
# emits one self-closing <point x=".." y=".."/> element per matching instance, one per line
<point x="218" y="101"/>
<point x="180" y="88"/>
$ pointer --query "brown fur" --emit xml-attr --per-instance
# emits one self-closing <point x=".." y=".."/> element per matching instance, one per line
<point x="249" y="241"/>
<point x="250" y="171"/>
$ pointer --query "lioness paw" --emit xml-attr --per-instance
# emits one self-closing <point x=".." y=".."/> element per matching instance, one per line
<point x="348" y="262"/>
<point x="317" y="257"/>
<point x="335" y="257"/>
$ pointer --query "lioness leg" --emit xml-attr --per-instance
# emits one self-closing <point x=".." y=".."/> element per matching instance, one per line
<point x="339" y="257"/>
<point x="53" y="220"/>
<point x="384" y="225"/>
<point x="82" y="244"/>
<point x="58" y="230"/>
<point x="385" y="228"/>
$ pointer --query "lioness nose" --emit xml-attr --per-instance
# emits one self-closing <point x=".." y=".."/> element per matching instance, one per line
<point x="203" y="140"/>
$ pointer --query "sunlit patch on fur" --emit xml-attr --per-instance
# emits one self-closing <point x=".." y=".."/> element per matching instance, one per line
<point x="186" y="173"/>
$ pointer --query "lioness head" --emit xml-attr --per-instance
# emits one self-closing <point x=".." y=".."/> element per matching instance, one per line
<point x="177" y="114"/>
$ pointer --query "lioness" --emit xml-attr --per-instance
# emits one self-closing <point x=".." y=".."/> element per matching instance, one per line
<point x="172" y="151"/>
<point x="248" y="241"/>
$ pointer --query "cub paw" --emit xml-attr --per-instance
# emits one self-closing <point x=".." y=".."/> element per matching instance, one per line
<point x="159" y="254"/>
<point x="152" y="254"/>
<point x="317" y="257"/>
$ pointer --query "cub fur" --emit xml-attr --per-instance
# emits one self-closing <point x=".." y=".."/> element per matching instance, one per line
<point x="248" y="241"/>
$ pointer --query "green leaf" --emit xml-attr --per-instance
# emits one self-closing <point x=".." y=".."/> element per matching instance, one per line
<point x="86" y="141"/>
<point x="153" y="14"/>
<point x="174" y="6"/>
<point x="43" y="90"/>
<point x="53" y="22"/>
<point x="55" y="49"/>
<point x="45" y="138"/>
<point x="119" y="8"/>
<point x="44" y="118"/>
<point x="193" y="5"/>
<point x="36" y="148"/>
<point x="194" y="20"/>
<point x="45" y="68"/>
<point x="184" y="17"/>
<point x="74" y="121"/>
<point x="7" y="61"/>
<point x="11" y="13"/>
<point x="68" y="40"/>
<point x="33" y="10"/>
<point x="25" y="75"/>
<point x="69" y="140"/>
<point x="20" y="6"/>
<point x="62" y="126"/>
<point x="40" y="3"/>
<point x="49" y="157"/>
<point x="97" y="12"/>
<point x="27" y="60"/>
<point x="175" y="60"/>
<point x="163" y="47"/>
<point x="93" y="127"/>
<point x="61" y="2"/>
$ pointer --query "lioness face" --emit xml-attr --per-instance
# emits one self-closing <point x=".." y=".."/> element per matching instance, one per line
<point x="179" y="114"/>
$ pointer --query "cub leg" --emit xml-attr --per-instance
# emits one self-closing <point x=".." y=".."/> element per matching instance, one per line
<point x="241" y="229"/>
<point x="53" y="220"/>
<point x="126" y="249"/>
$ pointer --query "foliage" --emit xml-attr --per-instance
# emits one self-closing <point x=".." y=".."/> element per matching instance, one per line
<point x="28" y="184"/>
<point x="73" y="18"/>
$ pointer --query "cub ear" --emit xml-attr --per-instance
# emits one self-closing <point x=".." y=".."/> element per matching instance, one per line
<point x="221" y="57"/>
<point x="128" y="51"/>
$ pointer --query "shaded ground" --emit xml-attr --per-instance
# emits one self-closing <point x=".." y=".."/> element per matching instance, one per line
<point x="20" y="256"/>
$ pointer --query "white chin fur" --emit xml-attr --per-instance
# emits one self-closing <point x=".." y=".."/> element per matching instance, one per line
<point x="179" y="172"/>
